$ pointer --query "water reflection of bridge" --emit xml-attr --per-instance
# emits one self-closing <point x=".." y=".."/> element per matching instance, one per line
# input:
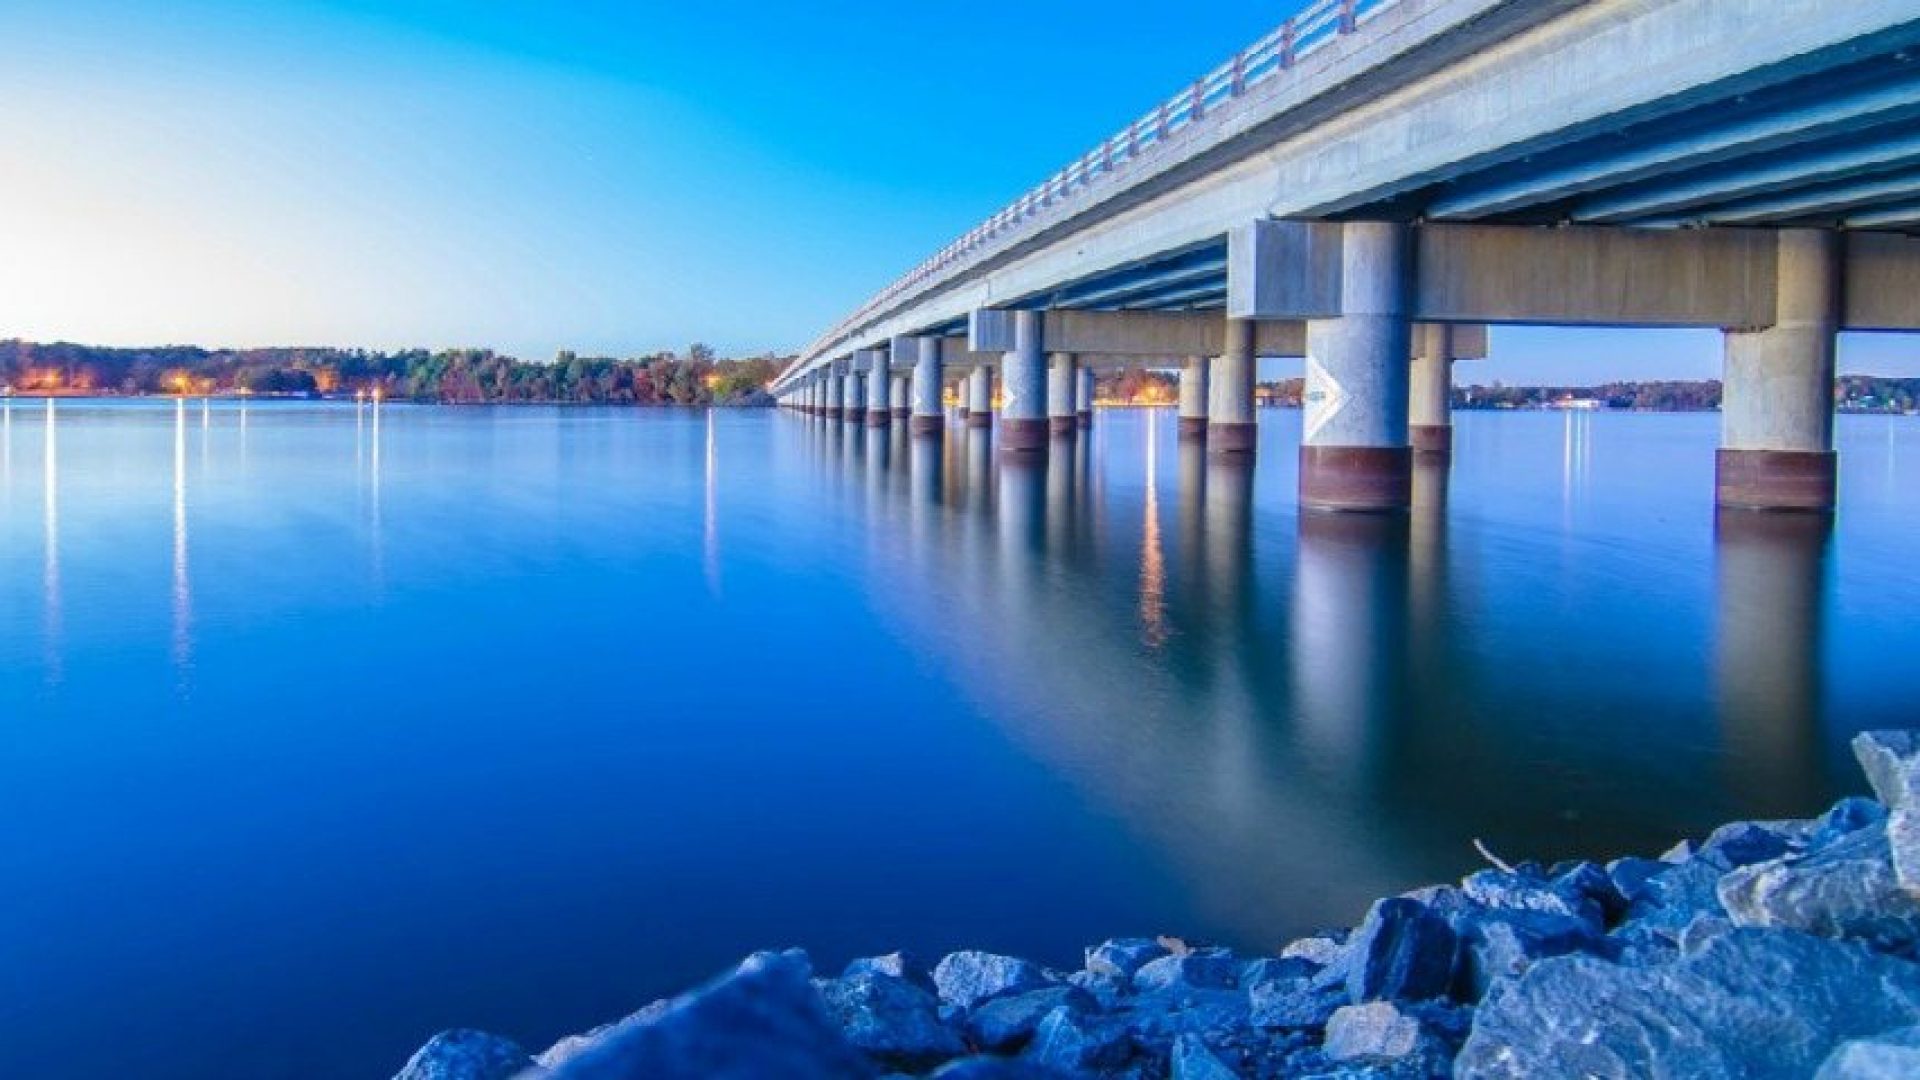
<point x="1296" y="705"/>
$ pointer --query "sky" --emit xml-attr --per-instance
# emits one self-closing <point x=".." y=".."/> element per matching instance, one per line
<point x="612" y="178"/>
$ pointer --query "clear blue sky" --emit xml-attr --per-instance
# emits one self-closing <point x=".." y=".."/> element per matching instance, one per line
<point x="607" y="177"/>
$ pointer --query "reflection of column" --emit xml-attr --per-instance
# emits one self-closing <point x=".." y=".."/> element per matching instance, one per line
<point x="1229" y="535"/>
<point x="1771" y="574"/>
<point x="979" y="468"/>
<point x="879" y="457"/>
<point x="1191" y="495"/>
<point x="928" y="463"/>
<point x="1349" y="619"/>
<point x="1062" y="490"/>
<point x="1022" y="516"/>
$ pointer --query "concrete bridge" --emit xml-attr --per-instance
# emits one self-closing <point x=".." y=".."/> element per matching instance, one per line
<point x="1375" y="182"/>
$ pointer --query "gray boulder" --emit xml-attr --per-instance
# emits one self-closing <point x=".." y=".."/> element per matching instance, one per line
<point x="1750" y="1003"/>
<point x="1891" y="760"/>
<point x="1074" y="1042"/>
<point x="1502" y="944"/>
<point x="1193" y="1059"/>
<point x="897" y="965"/>
<point x="890" y="1020"/>
<point x="1202" y="969"/>
<point x="1402" y="951"/>
<point x="1371" y="1032"/>
<point x="764" y="1019"/>
<point x="1295" y="1004"/>
<point x="1121" y="957"/>
<point x="1743" y="843"/>
<point x="469" y="1055"/>
<point x="1321" y="949"/>
<point x="1671" y="901"/>
<point x="968" y="978"/>
<point x="1846" y="890"/>
<point x="1890" y="1055"/>
<point x="1004" y="1025"/>
<point x="1847" y="817"/>
<point x="1514" y="892"/>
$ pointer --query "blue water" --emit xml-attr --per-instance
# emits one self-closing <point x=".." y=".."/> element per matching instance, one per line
<point x="323" y="731"/>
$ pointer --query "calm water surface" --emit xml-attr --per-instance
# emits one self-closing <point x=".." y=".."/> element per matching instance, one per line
<point x="323" y="732"/>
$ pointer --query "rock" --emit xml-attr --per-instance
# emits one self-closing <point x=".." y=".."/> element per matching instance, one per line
<point x="1512" y="892"/>
<point x="1270" y="969"/>
<point x="1294" y="1004"/>
<point x="896" y="965"/>
<point x="469" y="1055"/>
<point x="1632" y="877"/>
<point x="1891" y="760"/>
<point x="764" y="1019"/>
<point x="993" y="1068"/>
<point x="1672" y="900"/>
<point x="1890" y="1055"/>
<point x="1192" y="1059"/>
<point x="1751" y="1003"/>
<point x="890" y="1020"/>
<point x="1402" y="951"/>
<point x="1744" y="843"/>
<point x="1679" y="853"/>
<point x="1108" y="990"/>
<point x="1007" y="1024"/>
<point x="570" y="1047"/>
<point x="968" y="978"/>
<point x="1202" y="969"/>
<point x="1847" y="817"/>
<point x="1122" y="957"/>
<point x="1321" y="949"/>
<point x="1502" y="944"/>
<point x="1846" y="890"/>
<point x="1592" y="881"/>
<point x="1220" y="1017"/>
<point x="1071" y="1042"/>
<point x="1374" y="1031"/>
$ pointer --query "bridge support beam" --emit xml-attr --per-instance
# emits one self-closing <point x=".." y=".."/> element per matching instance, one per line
<point x="1354" y="455"/>
<point x="980" y="397"/>
<point x="1063" y="375"/>
<point x="1431" y="410"/>
<point x="1023" y="406"/>
<point x="1083" y="395"/>
<point x="1193" y="398"/>
<point x="1232" y="430"/>
<point x="929" y="381"/>
<point x="879" y="387"/>
<point x="1776" y="442"/>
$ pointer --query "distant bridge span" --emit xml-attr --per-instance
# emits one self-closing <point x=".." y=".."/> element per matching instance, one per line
<point x="1376" y="181"/>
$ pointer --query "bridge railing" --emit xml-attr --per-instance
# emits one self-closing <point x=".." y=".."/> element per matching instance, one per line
<point x="1271" y="57"/>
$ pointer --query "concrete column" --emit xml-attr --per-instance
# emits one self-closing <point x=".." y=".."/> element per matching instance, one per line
<point x="1776" y="410"/>
<point x="1430" y="411"/>
<point x="1354" y="455"/>
<point x="980" y="397"/>
<point x="1062" y="374"/>
<point x="928" y="383"/>
<point x="879" y="375"/>
<point x="1231" y="427"/>
<point x="836" y="391"/>
<point x="1023" y="395"/>
<point x="1193" y="398"/>
<point x="897" y="394"/>
<point x="1083" y="395"/>
<point x="853" y="397"/>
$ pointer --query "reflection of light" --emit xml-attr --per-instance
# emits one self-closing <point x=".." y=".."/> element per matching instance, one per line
<point x="712" y="534"/>
<point x="1153" y="571"/>
<point x="182" y="595"/>
<point x="52" y="577"/>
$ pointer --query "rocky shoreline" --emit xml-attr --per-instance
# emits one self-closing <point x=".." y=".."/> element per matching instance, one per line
<point x="1774" y="948"/>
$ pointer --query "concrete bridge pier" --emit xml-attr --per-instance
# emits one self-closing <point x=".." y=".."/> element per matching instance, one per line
<point x="1023" y="406"/>
<point x="1193" y="398"/>
<point x="1231" y="427"/>
<point x="1430" y="412"/>
<point x="929" y="381"/>
<point x="897" y="396"/>
<point x="836" y="379"/>
<point x="1083" y="395"/>
<point x="1063" y="377"/>
<point x="879" y="388"/>
<point x="979" y="407"/>
<point x="1776" y="413"/>
<point x="1354" y="454"/>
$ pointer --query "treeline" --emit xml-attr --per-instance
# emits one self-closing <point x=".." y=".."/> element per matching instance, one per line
<point x="1852" y="393"/>
<point x="462" y="376"/>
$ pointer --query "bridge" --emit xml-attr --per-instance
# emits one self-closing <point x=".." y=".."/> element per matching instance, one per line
<point x="1374" y="183"/>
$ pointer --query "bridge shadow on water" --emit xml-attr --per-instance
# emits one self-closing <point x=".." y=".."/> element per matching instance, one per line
<point x="1302" y="711"/>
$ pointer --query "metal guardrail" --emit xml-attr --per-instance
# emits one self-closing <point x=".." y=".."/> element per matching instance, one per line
<point x="1273" y="56"/>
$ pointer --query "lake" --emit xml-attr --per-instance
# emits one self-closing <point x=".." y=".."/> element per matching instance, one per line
<point x="327" y="729"/>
